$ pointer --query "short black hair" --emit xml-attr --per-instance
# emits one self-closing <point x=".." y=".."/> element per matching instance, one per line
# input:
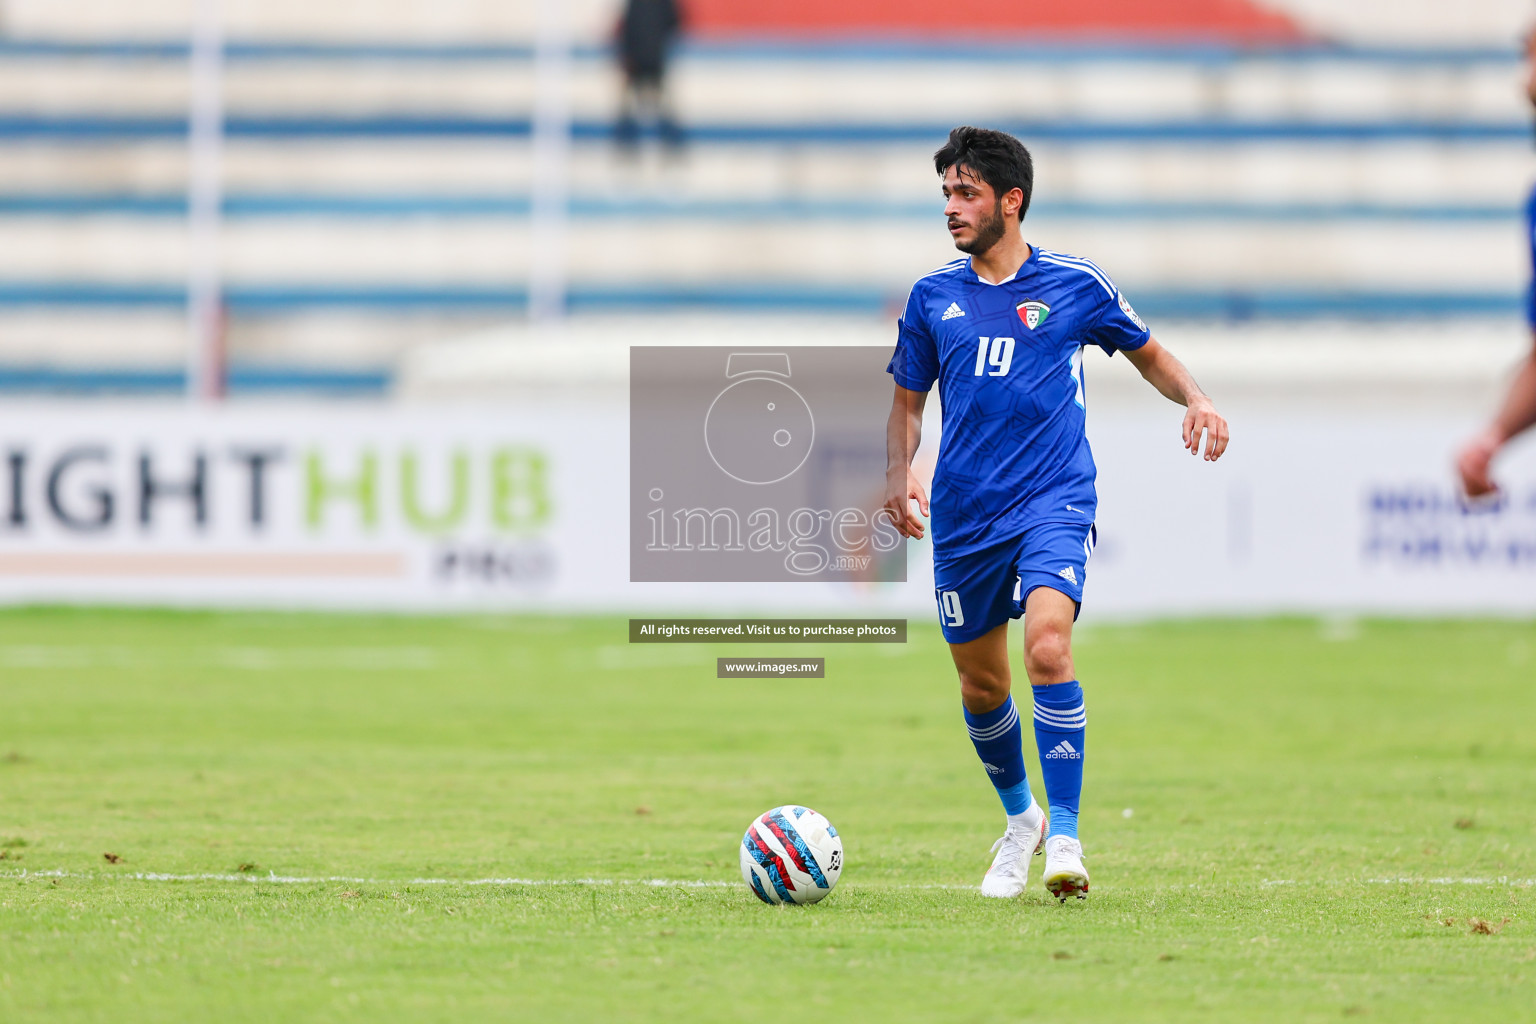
<point x="997" y="158"/>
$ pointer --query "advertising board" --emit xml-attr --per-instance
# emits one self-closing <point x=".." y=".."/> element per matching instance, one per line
<point x="464" y="508"/>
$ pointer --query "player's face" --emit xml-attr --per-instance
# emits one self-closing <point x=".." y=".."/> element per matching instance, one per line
<point x="973" y="209"/>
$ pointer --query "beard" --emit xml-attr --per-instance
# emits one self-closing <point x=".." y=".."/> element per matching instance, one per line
<point x="987" y="232"/>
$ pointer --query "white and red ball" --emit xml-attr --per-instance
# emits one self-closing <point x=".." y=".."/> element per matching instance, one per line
<point x="791" y="855"/>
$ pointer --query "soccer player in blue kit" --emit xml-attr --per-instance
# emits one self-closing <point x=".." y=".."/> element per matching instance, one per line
<point x="1002" y="332"/>
<point x="1517" y="412"/>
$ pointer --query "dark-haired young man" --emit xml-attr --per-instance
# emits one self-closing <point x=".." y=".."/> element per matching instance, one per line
<point x="1002" y="333"/>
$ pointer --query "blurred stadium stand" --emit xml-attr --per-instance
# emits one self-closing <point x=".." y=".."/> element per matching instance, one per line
<point x="377" y="190"/>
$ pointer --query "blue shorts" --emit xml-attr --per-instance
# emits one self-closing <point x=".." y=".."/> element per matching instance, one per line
<point x="979" y="591"/>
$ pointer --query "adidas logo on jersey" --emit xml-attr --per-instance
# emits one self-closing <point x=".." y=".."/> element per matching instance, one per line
<point x="953" y="311"/>
<point x="1064" y="750"/>
<point x="1068" y="575"/>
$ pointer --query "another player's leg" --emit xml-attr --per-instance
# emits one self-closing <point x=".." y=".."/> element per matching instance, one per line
<point x="993" y="722"/>
<point x="626" y="131"/>
<point x="1061" y="720"/>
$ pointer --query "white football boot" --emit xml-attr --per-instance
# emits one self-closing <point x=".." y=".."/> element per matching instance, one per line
<point x="1009" y="873"/>
<point x="1065" y="874"/>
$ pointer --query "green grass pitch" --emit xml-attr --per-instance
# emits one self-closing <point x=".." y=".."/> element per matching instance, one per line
<point x="1286" y="820"/>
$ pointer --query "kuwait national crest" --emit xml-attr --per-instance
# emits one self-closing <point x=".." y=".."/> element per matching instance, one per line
<point x="1033" y="312"/>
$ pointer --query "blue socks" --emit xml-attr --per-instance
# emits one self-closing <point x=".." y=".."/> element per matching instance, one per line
<point x="999" y="741"/>
<point x="1061" y="718"/>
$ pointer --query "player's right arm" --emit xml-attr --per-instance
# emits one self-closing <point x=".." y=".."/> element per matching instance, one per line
<point x="915" y="368"/>
<point x="1516" y="414"/>
<point x="903" y="433"/>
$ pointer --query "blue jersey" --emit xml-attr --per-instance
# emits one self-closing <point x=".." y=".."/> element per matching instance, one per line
<point x="1008" y="361"/>
<point x="1530" y="236"/>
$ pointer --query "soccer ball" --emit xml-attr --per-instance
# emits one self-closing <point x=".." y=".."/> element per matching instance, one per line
<point x="791" y="855"/>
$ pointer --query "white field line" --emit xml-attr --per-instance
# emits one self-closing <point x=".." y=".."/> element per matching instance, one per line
<point x="1501" y="880"/>
<point x="276" y="879"/>
<point x="271" y="878"/>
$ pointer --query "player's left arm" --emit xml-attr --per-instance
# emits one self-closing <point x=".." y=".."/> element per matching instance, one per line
<point x="1163" y="371"/>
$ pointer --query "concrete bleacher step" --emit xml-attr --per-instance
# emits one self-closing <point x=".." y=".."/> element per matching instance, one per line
<point x="1410" y="173"/>
<point x="1398" y="22"/>
<point x="882" y="255"/>
<point x="348" y="20"/>
<point x="152" y="339"/>
<point x="791" y="88"/>
<point x="1336" y="362"/>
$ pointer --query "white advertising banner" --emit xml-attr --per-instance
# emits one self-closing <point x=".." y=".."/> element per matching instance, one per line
<point x="1308" y="511"/>
<point x="308" y="505"/>
<point x="482" y="507"/>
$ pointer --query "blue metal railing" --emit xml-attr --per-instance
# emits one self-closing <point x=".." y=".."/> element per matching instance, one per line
<point x="1055" y="52"/>
<point x="1216" y="131"/>
<point x="381" y="206"/>
<point x="786" y="296"/>
<point x="242" y="379"/>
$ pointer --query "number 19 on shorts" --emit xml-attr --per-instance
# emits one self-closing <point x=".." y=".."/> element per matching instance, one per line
<point x="949" y="607"/>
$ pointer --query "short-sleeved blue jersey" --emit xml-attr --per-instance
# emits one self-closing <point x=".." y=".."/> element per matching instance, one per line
<point x="1008" y="361"/>
<point x="1530" y="237"/>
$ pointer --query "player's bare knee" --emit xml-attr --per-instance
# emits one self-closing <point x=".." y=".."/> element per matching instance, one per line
<point x="1048" y="654"/>
<point x="981" y="692"/>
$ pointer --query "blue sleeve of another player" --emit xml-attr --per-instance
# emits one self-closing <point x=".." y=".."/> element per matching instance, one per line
<point x="1118" y="328"/>
<point x="915" y="366"/>
<point x="1530" y="236"/>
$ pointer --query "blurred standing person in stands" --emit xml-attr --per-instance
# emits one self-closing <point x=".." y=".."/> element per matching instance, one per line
<point x="647" y="30"/>
<point x="1517" y="412"/>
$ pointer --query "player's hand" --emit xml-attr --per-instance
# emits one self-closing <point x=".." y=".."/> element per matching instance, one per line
<point x="902" y="488"/>
<point x="1202" y="418"/>
<point x="1473" y="463"/>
